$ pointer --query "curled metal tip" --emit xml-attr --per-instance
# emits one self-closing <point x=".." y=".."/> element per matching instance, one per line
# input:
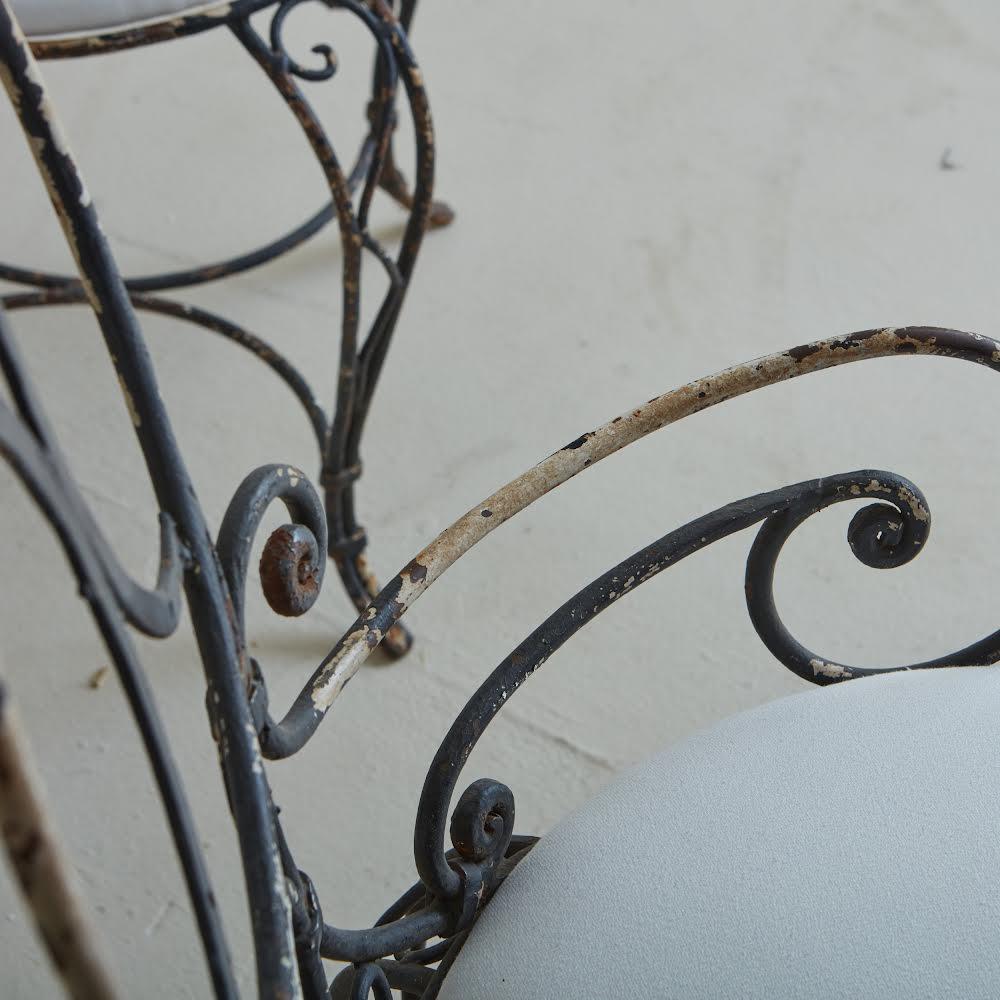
<point x="291" y="570"/>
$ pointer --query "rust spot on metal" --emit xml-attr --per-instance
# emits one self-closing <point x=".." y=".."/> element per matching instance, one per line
<point x="798" y="353"/>
<point x="288" y="574"/>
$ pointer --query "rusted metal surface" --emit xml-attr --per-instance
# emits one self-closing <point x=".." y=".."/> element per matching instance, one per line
<point x="393" y="182"/>
<point x="360" y="364"/>
<point x="289" y="571"/>
<point x="42" y="873"/>
<point x="339" y="435"/>
<point x="261" y="349"/>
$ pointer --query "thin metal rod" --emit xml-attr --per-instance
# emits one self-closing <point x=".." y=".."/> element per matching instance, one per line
<point x="798" y="502"/>
<point x="340" y="665"/>
<point x="341" y="462"/>
<point x="155" y="612"/>
<point x="204" y="582"/>
<point x="188" y="277"/>
<point x="22" y="442"/>
<point x="260" y="348"/>
<point x="43" y="874"/>
<point x="374" y="167"/>
<point x="217" y="270"/>
<point x="344" y="453"/>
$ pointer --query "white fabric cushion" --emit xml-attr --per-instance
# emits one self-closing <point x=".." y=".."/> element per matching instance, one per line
<point x="67" y="17"/>
<point x="843" y="842"/>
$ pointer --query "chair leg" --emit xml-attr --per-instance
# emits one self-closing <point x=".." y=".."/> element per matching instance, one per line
<point x="393" y="182"/>
<point x="360" y="360"/>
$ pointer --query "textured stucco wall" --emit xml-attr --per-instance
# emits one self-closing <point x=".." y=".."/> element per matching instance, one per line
<point x="647" y="192"/>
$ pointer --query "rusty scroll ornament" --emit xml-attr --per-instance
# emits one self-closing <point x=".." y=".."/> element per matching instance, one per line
<point x="396" y="82"/>
<point x="462" y="855"/>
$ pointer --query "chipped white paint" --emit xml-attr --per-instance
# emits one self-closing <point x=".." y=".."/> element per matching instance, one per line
<point x="918" y="510"/>
<point x="611" y="437"/>
<point x="281" y="893"/>
<point x="68" y="26"/>
<point x="280" y="886"/>
<point x="257" y="767"/>
<point x="47" y="880"/>
<point x="39" y="147"/>
<point x="821" y="668"/>
<point x="130" y="403"/>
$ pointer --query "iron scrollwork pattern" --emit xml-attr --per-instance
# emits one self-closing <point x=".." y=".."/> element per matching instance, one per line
<point x="410" y="948"/>
<point x="338" y="437"/>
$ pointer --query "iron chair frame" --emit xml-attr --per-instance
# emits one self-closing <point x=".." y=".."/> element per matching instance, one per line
<point x="338" y="437"/>
<point x="412" y="946"/>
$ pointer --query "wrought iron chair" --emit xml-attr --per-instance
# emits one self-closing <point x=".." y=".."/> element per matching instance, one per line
<point x="59" y="30"/>
<point x="494" y="914"/>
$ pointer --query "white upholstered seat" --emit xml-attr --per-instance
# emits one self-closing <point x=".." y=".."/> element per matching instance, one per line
<point x="838" y="843"/>
<point x="67" y="17"/>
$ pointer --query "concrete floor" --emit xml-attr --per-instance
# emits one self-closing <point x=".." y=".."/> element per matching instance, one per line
<point x="646" y="193"/>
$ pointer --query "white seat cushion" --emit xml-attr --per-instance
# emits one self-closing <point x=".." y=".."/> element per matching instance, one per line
<point x="68" y="17"/>
<point x="844" y="842"/>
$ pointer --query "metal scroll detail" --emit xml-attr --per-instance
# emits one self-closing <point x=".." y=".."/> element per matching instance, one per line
<point x="395" y="80"/>
<point x="31" y="451"/>
<point x="290" y="65"/>
<point x="885" y="534"/>
<point x="360" y="363"/>
<point x="300" y="721"/>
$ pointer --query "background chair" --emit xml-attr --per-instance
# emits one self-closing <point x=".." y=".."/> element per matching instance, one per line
<point x="68" y="30"/>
